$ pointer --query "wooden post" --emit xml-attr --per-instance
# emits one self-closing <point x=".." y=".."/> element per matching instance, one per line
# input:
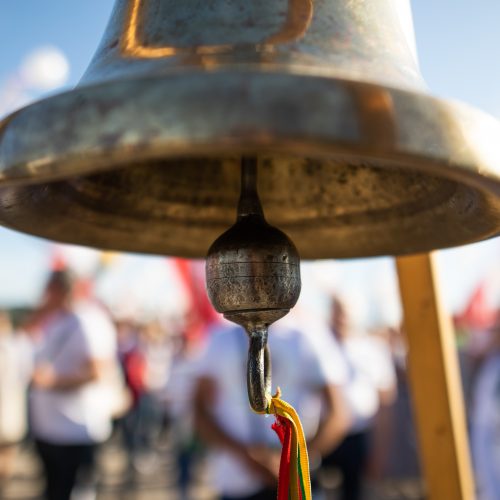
<point x="435" y="383"/>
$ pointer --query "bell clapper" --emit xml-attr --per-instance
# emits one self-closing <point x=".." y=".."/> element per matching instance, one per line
<point x="253" y="278"/>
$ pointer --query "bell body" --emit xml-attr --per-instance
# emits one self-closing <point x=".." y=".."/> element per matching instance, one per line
<point x="356" y="158"/>
<point x="371" y="41"/>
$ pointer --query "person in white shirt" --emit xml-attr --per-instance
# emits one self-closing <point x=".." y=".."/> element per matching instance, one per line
<point x="371" y="383"/>
<point x="70" y="398"/>
<point x="15" y="373"/>
<point x="245" y="451"/>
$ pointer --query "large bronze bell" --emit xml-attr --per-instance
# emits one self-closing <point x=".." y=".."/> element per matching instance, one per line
<point x="322" y="97"/>
<point x="355" y="157"/>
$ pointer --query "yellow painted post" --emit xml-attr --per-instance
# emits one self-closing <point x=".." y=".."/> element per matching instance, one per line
<point x="435" y="383"/>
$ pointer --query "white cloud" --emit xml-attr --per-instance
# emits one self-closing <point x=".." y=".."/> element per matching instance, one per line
<point x="42" y="70"/>
<point x="82" y="261"/>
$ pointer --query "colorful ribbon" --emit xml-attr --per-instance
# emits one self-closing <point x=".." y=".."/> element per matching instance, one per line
<point x="294" y="482"/>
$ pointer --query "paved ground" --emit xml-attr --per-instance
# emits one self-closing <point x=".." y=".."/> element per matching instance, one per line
<point x="156" y="481"/>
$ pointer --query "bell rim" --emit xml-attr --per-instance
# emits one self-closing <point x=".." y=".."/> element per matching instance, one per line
<point x="446" y="156"/>
<point x="20" y="165"/>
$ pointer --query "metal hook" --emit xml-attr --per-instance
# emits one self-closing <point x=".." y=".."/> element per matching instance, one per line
<point x="258" y="370"/>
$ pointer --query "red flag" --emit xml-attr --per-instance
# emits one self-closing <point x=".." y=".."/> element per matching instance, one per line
<point x="477" y="314"/>
<point x="202" y="314"/>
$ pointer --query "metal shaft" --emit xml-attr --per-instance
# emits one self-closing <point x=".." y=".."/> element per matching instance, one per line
<point x="249" y="202"/>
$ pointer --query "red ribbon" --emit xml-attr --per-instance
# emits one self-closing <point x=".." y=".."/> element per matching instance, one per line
<point x="283" y="429"/>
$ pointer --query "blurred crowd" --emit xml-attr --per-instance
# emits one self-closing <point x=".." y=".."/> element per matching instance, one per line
<point x="75" y="377"/>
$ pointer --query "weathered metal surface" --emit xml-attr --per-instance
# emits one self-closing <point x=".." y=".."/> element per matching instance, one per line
<point x="328" y="208"/>
<point x="356" y="158"/>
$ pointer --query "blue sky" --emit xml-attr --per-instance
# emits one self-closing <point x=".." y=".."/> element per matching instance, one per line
<point x="458" y="43"/>
<point x="74" y="27"/>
